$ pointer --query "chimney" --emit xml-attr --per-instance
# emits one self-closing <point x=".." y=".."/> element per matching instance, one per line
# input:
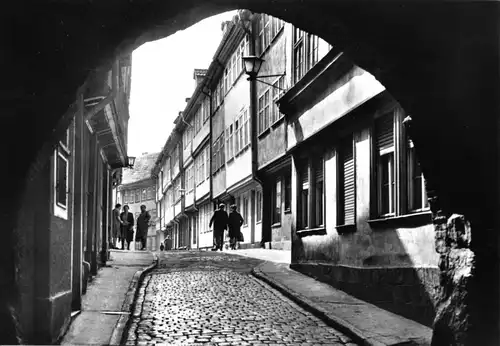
<point x="225" y="26"/>
<point x="198" y="76"/>
<point x="187" y="99"/>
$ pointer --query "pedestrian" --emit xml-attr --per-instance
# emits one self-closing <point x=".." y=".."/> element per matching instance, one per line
<point x="162" y="247"/>
<point x="142" y="227"/>
<point x="116" y="226"/>
<point x="219" y="220"/>
<point x="127" y="233"/>
<point x="235" y="222"/>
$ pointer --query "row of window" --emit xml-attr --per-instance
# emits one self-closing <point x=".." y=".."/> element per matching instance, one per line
<point x="232" y="71"/>
<point x="305" y="53"/>
<point x="202" y="165"/>
<point x="218" y="153"/>
<point x="268" y="112"/>
<point x="393" y="196"/>
<point x="201" y="116"/>
<point x="269" y="27"/>
<point x="138" y="195"/>
<point x="237" y="135"/>
<point x="189" y="178"/>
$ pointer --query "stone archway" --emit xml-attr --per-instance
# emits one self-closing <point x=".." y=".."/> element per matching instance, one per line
<point x="440" y="61"/>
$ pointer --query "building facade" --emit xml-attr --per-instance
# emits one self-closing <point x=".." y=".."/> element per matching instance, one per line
<point x="360" y="217"/>
<point x="323" y="165"/>
<point x="70" y="206"/>
<point x="138" y="188"/>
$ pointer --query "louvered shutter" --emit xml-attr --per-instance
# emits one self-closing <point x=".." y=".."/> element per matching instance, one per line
<point x="384" y="128"/>
<point x="348" y="182"/>
<point x="318" y="171"/>
<point x="305" y="177"/>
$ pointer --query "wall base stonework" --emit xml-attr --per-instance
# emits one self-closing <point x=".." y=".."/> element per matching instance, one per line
<point x="407" y="291"/>
<point x="279" y="245"/>
<point x="53" y="317"/>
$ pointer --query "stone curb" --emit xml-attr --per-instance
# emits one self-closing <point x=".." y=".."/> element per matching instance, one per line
<point x="351" y="331"/>
<point x="128" y="303"/>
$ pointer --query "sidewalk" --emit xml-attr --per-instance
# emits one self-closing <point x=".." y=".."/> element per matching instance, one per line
<point x="106" y="305"/>
<point x="277" y="256"/>
<point x="365" y="323"/>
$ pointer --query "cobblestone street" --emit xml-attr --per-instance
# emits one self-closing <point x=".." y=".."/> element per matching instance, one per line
<point x="207" y="298"/>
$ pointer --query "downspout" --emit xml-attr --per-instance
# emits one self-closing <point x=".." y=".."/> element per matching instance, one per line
<point x="109" y="98"/>
<point x="253" y="115"/>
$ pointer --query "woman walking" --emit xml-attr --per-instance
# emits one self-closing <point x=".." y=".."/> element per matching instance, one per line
<point x="234" y="223"/>
<point x="127" y="227"/>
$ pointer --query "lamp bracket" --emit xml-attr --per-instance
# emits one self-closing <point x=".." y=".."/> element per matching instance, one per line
<point x="274" y="86"/>
<point x="272" y="75"/>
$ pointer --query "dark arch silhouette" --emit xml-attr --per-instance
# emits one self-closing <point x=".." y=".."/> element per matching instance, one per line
<point x="439" y="60"/>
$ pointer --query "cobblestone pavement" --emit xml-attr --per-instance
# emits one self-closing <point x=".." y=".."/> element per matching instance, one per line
<point x="210" y="299"/>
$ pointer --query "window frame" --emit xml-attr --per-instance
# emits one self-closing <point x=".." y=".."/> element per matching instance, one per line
<point x="279" y="90"/>
<point x="402" y="196"/>
<point x="277" y="202"/>
<point x="263" y="110"/>
<point x="305" y="45"/>
<point x="60" y="209"/>
<point x="309" y="214"/>
<point x="258" y="206"/>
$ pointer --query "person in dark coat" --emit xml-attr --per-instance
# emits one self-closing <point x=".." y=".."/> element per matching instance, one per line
<point x="127" y="227"/>
<point x="142" y="226"/>
<point x="219" y="220"/>
<point x="235" y="222"/>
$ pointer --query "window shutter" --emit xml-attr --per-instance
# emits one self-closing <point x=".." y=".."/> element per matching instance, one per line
<point x="348" y="182"/>
<point x="319" y="170"/>
<point x="384" y="127"/>
<point x="305" y="177"/>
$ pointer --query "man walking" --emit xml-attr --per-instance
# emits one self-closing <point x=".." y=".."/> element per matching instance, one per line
<point x="142" y="226"/>
<point x="234" y="223"/>
<point x="116" y="226"/>
<point x="219" y="220"/>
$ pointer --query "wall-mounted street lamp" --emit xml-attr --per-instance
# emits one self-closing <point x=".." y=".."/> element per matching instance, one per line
<point x="130" y="162"/>
<point x="252" y="66"/>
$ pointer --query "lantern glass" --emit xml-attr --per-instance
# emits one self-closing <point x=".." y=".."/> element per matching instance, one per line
<point x="252" y="65"/>
<point x="131" y="161"/>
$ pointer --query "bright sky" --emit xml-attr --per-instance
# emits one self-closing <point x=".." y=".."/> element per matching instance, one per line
<point x="162" y="79"/>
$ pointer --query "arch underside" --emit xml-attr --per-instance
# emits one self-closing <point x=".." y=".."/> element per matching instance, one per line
<point x="440" y="61"/>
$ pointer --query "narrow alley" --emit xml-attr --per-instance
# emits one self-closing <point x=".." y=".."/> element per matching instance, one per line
<point x="251" y="173"/>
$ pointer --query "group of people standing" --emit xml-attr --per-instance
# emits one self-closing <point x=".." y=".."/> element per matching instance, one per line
<point x="222" y="222"/>
<point x="123" y="227"/>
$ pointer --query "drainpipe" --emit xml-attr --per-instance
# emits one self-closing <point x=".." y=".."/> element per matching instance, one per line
<point x="253" y="116"/>
<point x="109" y="98"/>
<point x="210" y="143"/>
